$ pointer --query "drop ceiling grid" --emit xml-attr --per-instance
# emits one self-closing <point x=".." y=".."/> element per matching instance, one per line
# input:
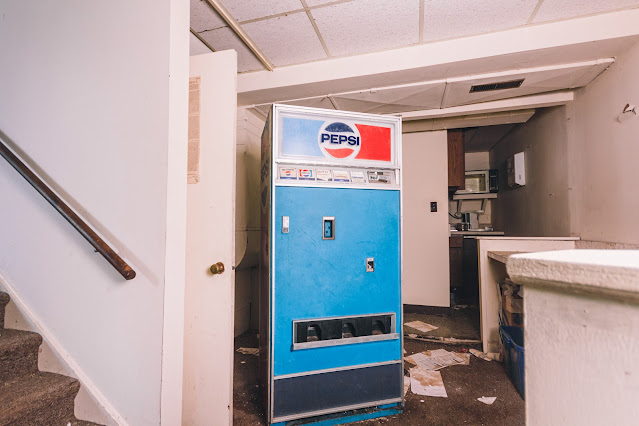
<point x="243" y="10"/>
<point x="204" y="17"/>
<point x="274" y="38"/>
<point x="368" y="25"/>
<point x="563" y="9"/>
<point x="471" y="17"/>
<point x="225" y="38"/>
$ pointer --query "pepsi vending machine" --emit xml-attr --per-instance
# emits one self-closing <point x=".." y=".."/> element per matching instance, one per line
<point x="330" y="272"/>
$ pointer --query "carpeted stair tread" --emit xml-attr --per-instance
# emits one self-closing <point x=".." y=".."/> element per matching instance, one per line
<point x="4" y="299"/>
<point x="18" y="353"/>
<point x="38" y="399"/>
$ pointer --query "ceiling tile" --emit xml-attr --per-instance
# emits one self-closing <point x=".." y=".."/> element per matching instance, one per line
<point x="286" y="40"/>
<point x="322" y="102"/>
<point x="311" y="3"/>
<point x="196" y="47"/>
<point x="538" y="80"/>
<point x="368" y="25"/>
<point x="243" y="10"/>
<point x="445" y="19"/>
<point x="204" y="17"/>
<point x="225" y="39"/>
<point x="562" y="9"/>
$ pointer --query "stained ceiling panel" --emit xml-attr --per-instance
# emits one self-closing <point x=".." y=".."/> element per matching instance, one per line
<point x="204" y="17"/>
<point x="286" y="40"/>
<point x="445" y="19"/>
<point x="561" y="9"/>
<point x="368" y="25"/>
<point x="243" y="10"/>
<point x="223" y="39"/>
<point x="537" y="80"/>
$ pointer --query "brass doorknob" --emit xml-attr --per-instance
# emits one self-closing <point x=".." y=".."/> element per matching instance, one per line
<point x="217" y="268"/>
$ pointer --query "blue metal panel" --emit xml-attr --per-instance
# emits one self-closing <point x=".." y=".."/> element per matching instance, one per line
<point x="300" y="137"/>
<point x="316" y="278"/>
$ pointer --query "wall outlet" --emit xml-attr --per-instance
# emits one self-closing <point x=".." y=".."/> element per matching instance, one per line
<point x="433" y="206"/>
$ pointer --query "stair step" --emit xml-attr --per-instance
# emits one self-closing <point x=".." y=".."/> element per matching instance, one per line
<point x="18" y="354"/>
<point x="38" y="400"/>
<point x="4" y="299"/>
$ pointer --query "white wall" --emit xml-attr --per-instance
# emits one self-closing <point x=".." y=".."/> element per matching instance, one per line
<point x="209" y="299"/>
<point x="86" y="95"/>
<point x="247" y="224"/>
<point x="426" y="279"/>
<point x="607" y="151"/>
<point x="541" y="208"/>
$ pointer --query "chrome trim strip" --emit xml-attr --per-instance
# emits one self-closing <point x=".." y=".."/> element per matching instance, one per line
<point x="347" y="341"/>
<point x="335" y="410"/>
<point x="332" y="370"/>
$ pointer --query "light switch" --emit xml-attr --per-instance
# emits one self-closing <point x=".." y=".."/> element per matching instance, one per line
<point x="285" y="224"/>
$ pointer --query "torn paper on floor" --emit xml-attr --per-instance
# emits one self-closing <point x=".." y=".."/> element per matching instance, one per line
<point x="487" y="399"/>
<point x="437" y="359"/>
<point x="249" y="351"/>
<point x="421" y="326"/>
<point x="485" y="356"/>
<point x="428" y="383"/>
<point x="406" y="384"/>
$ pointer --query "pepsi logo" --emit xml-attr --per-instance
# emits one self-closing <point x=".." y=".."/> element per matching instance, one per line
<point x="339" y="140"/>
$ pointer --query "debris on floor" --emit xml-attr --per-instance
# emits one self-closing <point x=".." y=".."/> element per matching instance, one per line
<point x="406" y="384"/>
<point x="249" y="351"/>
<point x="485" y="356"/>
<point x="487" y="399"/>
<point x="445" y="340"/>
<point x="421" y="326"/>
<point x="428" y="383"/>
<point x="438" y="359"/>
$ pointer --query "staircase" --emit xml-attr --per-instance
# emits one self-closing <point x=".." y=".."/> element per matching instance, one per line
<point x="29" y="396"/>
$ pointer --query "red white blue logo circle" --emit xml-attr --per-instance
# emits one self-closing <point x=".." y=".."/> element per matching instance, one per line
<point x="337" y="139"/>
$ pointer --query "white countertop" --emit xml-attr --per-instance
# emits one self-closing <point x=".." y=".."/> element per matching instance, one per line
<point x="606" y="272"/>
<point x="476" y="233"/>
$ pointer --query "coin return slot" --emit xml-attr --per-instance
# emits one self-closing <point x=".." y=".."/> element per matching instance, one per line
<point x="339" y="331"/>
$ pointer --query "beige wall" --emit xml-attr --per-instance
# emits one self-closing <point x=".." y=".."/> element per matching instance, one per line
<point x="607" y="152"/>
<point x="426" y="278"/>
<point x="541" y="208"/>
<point x="580" y="164"/>
<point x="97" y="104"/>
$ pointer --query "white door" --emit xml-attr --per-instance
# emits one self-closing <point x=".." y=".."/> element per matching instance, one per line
<point x="209" y="299"/>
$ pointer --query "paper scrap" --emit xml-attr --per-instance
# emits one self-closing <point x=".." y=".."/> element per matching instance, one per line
<point x="406" y="384"/>
<point x="480" y="354"/>
<point x="249" y="351"/>
<point x="428" y="383"/>
<point x="487" y="399"/>
<point x="421" y="326"/>
<point x="437" y="359"/>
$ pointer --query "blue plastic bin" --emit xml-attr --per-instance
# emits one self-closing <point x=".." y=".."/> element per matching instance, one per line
<point x="513" y="341"/>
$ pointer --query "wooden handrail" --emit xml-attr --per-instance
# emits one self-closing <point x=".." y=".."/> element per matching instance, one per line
<point x="89" y="234"/>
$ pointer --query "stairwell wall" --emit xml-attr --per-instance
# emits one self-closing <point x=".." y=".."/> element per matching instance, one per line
<point x="95" y="95"/>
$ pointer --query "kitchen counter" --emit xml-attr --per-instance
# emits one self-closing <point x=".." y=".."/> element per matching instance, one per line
<point x="476" y="233"/>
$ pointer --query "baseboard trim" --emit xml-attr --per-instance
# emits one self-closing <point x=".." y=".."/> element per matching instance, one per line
<point x="55" y="344"/>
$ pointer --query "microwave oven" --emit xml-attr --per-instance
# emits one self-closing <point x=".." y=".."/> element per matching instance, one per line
<point x="481" y="181"/>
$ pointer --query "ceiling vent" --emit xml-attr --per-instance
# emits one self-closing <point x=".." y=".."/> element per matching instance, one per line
<point x="513" y="84"/>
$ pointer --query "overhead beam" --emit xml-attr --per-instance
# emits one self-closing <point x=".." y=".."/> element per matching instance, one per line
<point x="575" y="40"/>
<point x="543" y="100"/>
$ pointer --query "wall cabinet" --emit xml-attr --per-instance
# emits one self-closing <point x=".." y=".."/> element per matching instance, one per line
<point x="456" y="162"/>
